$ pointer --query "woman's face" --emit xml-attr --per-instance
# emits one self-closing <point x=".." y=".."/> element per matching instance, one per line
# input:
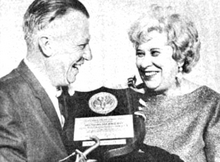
<point x="155" y="64"/>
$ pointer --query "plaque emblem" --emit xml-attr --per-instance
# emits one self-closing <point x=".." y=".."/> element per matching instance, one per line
<point x="103" y="103"/>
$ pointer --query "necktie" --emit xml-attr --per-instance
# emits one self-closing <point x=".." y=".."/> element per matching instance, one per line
<point x="64" y="111"/>
<point x="63" y="102"/>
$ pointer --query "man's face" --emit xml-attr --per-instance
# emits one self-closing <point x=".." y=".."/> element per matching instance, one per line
<point x="154" y="61"/>
<point x="70" y="48"/>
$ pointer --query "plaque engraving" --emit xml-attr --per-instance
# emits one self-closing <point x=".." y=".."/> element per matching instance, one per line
<point x="104" y="127"/>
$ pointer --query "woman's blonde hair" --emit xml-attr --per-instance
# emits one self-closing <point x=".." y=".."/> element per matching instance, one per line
<point x="182" y="34"/>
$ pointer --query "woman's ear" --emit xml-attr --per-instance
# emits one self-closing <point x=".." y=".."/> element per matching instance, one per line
<point x="45" y="46"/>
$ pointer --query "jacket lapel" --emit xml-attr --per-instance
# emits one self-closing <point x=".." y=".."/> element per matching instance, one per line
<point x="41" y="94"/>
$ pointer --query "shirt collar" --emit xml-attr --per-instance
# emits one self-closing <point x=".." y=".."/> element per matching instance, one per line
<point x="44" y="80"/>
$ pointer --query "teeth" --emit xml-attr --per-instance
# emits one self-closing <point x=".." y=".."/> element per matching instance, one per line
<point x="150" y="73"/>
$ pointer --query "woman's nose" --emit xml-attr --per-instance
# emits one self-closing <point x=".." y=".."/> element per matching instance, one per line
<point x="146" y="61"/>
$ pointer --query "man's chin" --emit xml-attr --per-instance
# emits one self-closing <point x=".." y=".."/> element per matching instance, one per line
<point x="71" y="76"/>
<point x="71" y="80"/>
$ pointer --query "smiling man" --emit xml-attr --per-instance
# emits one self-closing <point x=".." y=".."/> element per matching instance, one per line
<point x="31" y="124"/>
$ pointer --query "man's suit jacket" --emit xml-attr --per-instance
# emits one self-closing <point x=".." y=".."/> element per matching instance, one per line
<point x="29" y="127"/>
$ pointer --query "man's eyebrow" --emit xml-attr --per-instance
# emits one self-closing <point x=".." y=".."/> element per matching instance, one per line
<point x="86" y="41"/>
<point x="89" y="38"/>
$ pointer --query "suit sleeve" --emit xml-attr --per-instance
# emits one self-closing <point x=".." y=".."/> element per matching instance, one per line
<point x="12" y="134"/>
<point x="212" y="136"/>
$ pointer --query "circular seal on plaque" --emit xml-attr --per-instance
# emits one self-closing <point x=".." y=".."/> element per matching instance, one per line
<point x="103" y="102"/>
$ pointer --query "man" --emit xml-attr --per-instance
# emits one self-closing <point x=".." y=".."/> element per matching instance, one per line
<point x="31" y="123"/>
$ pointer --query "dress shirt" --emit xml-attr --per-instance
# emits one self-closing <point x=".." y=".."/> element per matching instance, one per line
<point x="52" y="92"/>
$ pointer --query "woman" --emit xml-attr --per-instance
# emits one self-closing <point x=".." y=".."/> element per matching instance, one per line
<point x="182" y="117"/>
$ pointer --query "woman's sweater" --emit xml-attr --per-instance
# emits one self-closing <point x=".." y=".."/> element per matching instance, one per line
<point x="187" y="125"/>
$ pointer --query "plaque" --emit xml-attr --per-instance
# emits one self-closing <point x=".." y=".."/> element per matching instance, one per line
<point x="105" y="127"/>
<point x="109" y="115"/>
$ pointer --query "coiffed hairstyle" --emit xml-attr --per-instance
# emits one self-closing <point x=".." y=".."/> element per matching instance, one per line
<point x="182" y="34"/>
<point x="42" y="12"/>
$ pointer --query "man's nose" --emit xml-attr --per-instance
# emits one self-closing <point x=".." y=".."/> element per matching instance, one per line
<point x="88" y="54"/>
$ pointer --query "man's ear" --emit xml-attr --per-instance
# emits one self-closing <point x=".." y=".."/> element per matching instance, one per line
<point x="45" y="46"/>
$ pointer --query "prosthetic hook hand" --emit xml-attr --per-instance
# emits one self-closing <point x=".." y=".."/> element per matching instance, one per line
<point x="81" y="156"/>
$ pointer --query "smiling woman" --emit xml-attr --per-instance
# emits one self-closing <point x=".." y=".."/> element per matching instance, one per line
<point x="182" y="117"/>
<point x="154" y="60"/>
